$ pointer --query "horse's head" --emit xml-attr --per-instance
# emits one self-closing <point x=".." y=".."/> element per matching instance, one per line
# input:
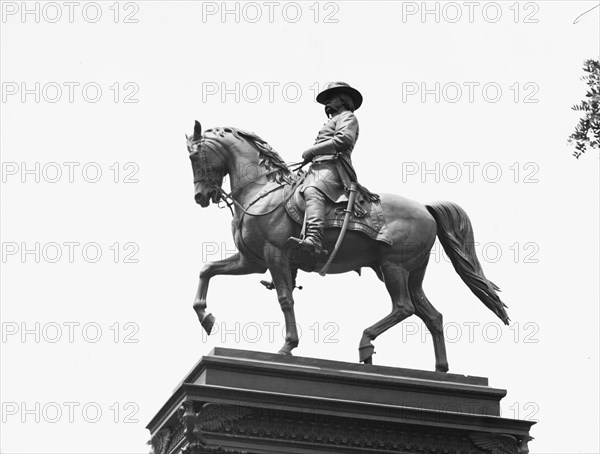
<point x="207" y="166"/>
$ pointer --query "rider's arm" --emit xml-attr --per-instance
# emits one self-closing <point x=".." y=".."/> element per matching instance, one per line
<point x="346" y="133"/>
<point x="318" y="149"/>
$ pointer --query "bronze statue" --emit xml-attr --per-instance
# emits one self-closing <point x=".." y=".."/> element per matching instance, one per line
<point x="265" y="219"/>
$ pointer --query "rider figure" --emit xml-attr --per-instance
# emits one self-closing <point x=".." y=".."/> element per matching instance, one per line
<point x="331" y="171"/>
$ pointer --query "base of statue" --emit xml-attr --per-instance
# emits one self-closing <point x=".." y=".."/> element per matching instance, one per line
<point x="236" y="401"/>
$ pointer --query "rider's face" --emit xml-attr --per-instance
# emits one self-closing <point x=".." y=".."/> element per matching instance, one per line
<point x="333" y="105"/>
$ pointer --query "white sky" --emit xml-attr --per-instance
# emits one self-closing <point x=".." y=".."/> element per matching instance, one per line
<point x="546" y="230"/>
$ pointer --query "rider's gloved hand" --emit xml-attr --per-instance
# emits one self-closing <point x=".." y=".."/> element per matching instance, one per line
<point x="308" y="155"/>
<point x="322" y="148"/>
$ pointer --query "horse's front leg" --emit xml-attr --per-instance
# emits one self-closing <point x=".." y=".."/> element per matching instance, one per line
<point x="281" y="272"/>
<point x="237" y="264"/>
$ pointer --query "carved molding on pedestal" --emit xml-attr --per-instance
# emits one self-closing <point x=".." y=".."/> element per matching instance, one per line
<point x="187" y="435"/>
<point x="238" y="421"/>
<point x="160" y="441"/>
<point x="328" y="430"/>
<point x="501" y="444"/>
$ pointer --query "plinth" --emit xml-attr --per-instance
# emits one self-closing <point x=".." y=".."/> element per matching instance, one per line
<point x="236" y="401"/>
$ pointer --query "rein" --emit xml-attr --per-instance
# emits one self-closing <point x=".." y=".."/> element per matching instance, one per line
<point x="229" y="199"/>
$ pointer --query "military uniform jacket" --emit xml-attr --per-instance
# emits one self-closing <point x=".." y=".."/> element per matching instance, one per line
<point x="332" y="170"/>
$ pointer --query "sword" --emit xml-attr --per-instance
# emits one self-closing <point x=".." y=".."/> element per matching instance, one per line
<point x="348" y="214"/>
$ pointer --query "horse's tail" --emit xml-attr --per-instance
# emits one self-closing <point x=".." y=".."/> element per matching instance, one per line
<point x="456" y="235"/>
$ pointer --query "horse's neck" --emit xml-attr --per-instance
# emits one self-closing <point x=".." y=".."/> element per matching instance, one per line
<point x="247" y="177"/>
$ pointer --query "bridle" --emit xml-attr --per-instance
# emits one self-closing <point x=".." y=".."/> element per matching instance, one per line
<point x="228" y="198"/>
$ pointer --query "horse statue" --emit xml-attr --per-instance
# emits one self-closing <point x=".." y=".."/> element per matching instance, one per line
<point x="261" y="228"/>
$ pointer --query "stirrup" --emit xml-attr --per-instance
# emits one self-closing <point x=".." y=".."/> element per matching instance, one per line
<point x="313" y="248"/>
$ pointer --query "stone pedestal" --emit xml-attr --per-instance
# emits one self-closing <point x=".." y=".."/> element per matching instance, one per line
<point x="236" y="401"/>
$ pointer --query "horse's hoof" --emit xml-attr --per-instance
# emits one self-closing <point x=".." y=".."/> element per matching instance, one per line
<point x="287" y="348"/>
<point x="365" y="353"/>
<point x="208" y="322"/>
<point x="441" y="368"/>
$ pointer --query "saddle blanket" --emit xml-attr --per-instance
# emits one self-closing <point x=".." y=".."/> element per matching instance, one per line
<point x="372" y="223"/>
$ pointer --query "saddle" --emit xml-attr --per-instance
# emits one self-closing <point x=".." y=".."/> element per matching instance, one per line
<point x="367" y="216"/>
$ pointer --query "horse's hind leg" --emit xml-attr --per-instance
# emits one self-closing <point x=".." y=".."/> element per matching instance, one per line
<point x="431" y="317"/>
<point x="396" y="282"/>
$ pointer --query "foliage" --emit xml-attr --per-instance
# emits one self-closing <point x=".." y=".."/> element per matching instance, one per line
<point x="587" y="131"/>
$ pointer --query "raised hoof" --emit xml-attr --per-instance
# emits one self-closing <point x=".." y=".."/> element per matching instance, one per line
<point x="365" y="353"/>
<point x="208" y="322"/>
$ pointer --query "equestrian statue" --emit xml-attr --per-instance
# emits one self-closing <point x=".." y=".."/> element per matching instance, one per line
<point x="286" y="219"/>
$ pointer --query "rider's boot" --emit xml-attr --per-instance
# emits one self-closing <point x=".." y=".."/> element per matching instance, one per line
<point x="315" y="222"/>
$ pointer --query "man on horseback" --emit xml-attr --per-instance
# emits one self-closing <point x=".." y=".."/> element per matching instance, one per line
<point x="399" y="257"/>
<point x="331" y="172"/>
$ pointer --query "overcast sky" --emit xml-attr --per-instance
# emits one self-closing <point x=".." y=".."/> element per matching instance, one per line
<point x="102" y="241"/>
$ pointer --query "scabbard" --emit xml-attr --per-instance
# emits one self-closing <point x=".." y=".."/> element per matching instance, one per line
<point x="347" y="216"/>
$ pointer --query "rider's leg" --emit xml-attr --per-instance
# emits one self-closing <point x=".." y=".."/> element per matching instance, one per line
<point x="315" y="217"/>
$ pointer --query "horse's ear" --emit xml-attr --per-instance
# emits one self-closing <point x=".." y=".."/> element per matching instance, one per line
<point x="197" y="130"/>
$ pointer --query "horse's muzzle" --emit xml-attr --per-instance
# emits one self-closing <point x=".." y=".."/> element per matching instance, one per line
<point x="204" y="199"/>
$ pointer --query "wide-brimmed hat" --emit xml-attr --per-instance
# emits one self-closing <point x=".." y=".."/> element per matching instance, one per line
<point x="340" y="87"/>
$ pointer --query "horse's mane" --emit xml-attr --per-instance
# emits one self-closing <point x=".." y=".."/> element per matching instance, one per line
<point x="269" y="158"/>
